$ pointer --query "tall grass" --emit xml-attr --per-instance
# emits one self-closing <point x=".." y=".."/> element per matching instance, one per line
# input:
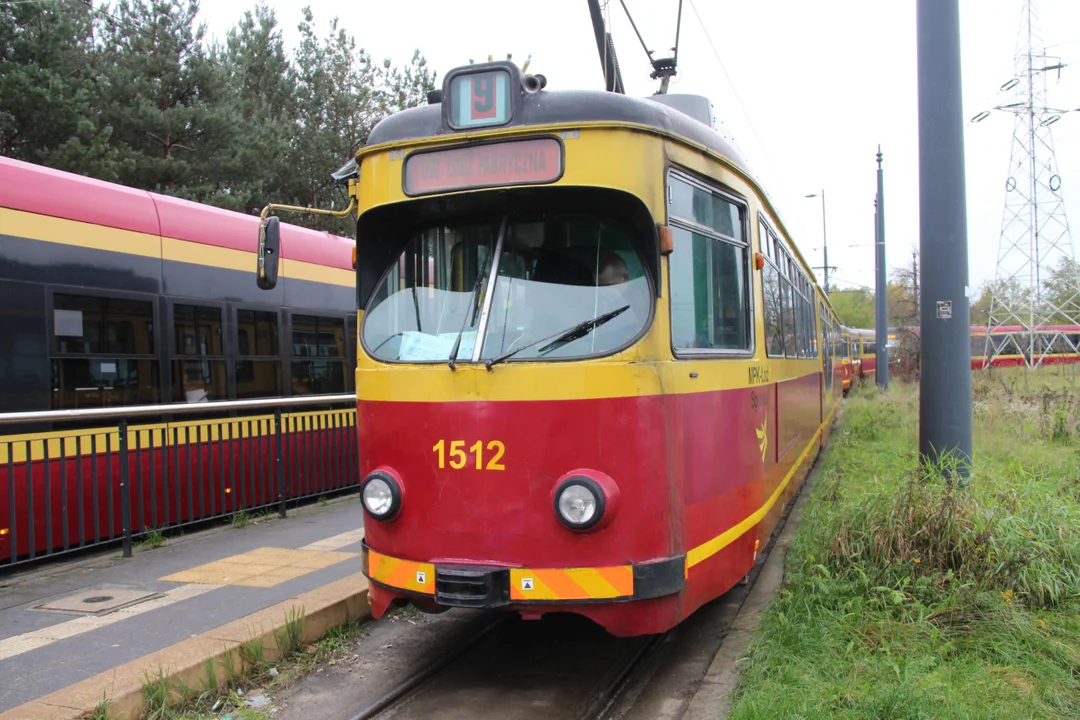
<point x="908" y="596"/>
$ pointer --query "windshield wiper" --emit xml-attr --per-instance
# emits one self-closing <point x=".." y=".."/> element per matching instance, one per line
<point x="490" y="272"/>
<point x="566" y="336"/>
<point x="470" y="318"/>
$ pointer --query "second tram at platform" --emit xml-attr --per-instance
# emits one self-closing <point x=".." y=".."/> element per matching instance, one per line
<point x="593" y="368"/>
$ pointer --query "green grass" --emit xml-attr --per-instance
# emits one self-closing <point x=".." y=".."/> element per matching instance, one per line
<point x="905" y="597"/>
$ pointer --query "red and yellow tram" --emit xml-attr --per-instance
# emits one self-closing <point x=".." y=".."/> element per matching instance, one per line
<point x="1013" y="345"/>
<point x="112" y="297"/>
<point x="593" y="366"/>
<point x="845" y="359"/>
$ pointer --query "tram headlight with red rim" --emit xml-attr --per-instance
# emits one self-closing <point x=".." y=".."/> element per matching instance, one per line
<point x="585" y="500"/>
<point x="381" y="495"/>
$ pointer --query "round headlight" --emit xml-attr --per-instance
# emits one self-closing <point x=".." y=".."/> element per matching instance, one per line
<point x="579" y="503"/>
<point x="381" y="496"/>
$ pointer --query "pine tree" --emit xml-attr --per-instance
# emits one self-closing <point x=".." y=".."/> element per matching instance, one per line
<point x="48" y="88"/>
<point x="263" y="87"/>
<point x="341" y="94"/>
<point x="166" y="99"/>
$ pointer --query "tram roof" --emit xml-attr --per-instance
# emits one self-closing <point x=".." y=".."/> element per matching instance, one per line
<point x="567" y="107"/>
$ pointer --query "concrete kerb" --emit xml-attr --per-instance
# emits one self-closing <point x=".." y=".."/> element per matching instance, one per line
<point x="188" y="664"/>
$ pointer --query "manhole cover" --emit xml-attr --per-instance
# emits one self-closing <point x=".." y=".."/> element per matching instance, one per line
<point x="96" y="600"/>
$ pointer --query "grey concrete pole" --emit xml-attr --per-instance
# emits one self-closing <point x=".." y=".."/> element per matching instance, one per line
<point x="881" y="374"/>
<point x="944" y="315"/>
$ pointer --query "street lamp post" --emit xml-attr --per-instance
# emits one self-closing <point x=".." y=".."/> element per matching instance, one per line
<point x="824" y="238"/>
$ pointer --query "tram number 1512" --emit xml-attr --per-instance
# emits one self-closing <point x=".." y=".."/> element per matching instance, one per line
<point x="459" y="458"/>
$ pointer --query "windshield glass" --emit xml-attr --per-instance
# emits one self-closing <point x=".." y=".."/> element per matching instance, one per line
<point x="554" y="273"/>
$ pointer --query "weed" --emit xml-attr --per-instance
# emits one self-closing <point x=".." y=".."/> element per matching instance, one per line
<point x="210" y="682"/>
<point x="323" y="501"/>
<point x="241" y="519"/>
<point x="228" y="661"/>
<point x="154" y="539"/>
<point x="158" y="695"/>
<point x="101" y="711"/>
<point x="253" y="656"/>
<point x="289" y="636"/>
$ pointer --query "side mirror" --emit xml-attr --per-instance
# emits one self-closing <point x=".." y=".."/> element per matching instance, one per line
<point x="269" y="251"/>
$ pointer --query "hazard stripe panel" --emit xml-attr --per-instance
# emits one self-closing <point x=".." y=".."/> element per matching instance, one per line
<point x="572" y="583"/>
<point x="403" y="574"/>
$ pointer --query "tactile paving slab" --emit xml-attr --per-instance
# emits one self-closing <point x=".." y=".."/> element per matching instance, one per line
<point x="262" y="568"/>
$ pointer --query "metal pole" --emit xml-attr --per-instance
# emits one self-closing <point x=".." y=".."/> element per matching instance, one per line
<point x="282" y="511"/>
<point x="125" y="488"/>
<point x="944" y="314"/>
<point x="824" y="241"/>
<point x="881" y="339"/>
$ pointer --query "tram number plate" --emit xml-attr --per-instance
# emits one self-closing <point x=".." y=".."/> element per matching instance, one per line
<point x="484" y="456"/>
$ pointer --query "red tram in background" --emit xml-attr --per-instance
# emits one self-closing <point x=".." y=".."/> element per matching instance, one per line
<point x="1013" y="345"/>
<point x="116" y="298"/>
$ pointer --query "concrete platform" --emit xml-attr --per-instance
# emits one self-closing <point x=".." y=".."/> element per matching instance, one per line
<point x="70" y="633"/>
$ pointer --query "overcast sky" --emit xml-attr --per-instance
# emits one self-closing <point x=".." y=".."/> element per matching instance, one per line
<point x="822" y="84"/>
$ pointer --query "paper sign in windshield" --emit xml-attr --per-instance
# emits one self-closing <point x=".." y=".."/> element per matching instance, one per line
<point x="421" y="347"/>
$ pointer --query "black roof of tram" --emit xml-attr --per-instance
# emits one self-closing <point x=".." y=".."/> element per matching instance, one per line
<point x="566" y="107"/>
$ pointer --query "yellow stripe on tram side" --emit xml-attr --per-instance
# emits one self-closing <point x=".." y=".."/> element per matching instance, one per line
<point x="157" y="435"/>
<point x="300" y="270"/>
<point x="62" y="231"/>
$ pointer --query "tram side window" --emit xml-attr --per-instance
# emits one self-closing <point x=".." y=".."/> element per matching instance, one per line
<point x="258" y="368"/>
<point x="710" y="307"/>
<point x="869" y="348"/>
<point x="198" y="369"/>
<point x="978" y="345"/>
<point x="792" y="330"/>
<point x="103" y="352"/>
<point x="319" y="352"/>
<point x="774" y="329"/>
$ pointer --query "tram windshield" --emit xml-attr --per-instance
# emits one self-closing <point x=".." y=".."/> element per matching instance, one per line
<point x="514" y="282"/>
